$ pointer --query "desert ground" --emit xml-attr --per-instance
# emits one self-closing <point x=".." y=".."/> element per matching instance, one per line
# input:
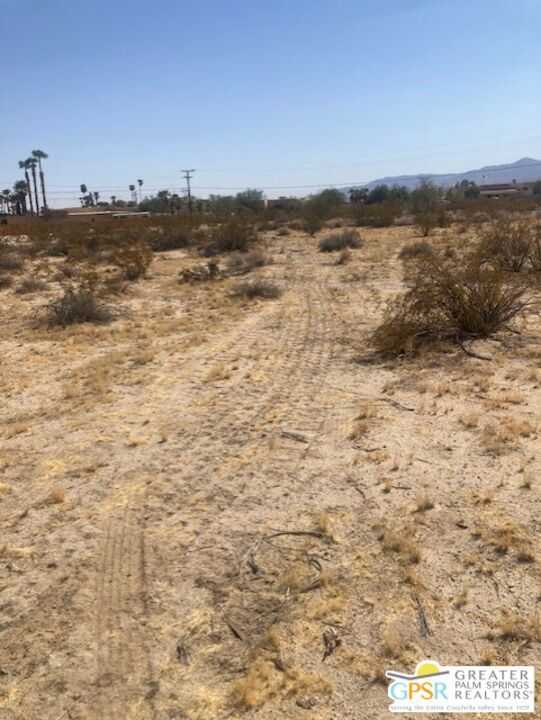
<point x="223" y="508"/>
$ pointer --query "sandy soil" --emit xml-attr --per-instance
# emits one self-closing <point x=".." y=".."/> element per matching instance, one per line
<point x="150" y="467"/>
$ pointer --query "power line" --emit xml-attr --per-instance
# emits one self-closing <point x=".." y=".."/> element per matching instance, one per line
<point x="67" y="190"/>
<point x="188" y="175"/>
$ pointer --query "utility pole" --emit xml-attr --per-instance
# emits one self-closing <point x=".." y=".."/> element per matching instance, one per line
<point x="188" y="176"/>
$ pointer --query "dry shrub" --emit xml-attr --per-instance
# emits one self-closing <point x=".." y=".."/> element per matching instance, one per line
<point x="170" y="238"/>
<point x="448" y="301"/>
<point x="344" y="258"/>
<point x="312" y="225"/>
<point x="77" y="305"/>
<point x="5" y="282"/>
<point x="340" y="241"/>
<point x="426" y="222"/>
<point x="297" y="225"/>
<point x="30" y="285"/>
<point x="283" y="232"/>
<point x="507" y="244"/>
<point x="133" y="260"/>
<point x="415" y="250"/>
<point x="10" y="261"/>
<point x="232" y="236"/>
<point x="264" y="681"/>
<point x="200" y="273"/>
<point x="239" y="263"/>
<point x="257" y="289"/>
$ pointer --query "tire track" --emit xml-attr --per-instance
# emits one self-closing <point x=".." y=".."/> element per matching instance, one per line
<point x="124" y="672"/>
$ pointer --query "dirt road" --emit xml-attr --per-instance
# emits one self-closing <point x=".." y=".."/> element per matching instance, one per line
<point x="204" y="498"/>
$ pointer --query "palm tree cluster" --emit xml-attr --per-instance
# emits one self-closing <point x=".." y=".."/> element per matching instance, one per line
<point x="24" y="198"/>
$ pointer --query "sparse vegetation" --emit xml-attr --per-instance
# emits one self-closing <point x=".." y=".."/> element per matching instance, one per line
<point x="340" y="241"/>
<point x="30" y="285"/>
<point x="77" y="305"/>
<point x="256" y="289"/>
<point x="415" y="250"/>
<point x="232" y="236"/>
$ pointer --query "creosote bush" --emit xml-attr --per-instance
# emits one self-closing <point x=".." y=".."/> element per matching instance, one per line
<point x="509" y="244"/>
<point x="426" y="222"/>
<point x="450" y="301"/>
<point x="257" y="289"/>
<point x="312" y="224"/>
<point x="170" y="238"/>
<point x="340" y="241"/>
<point x="232" y="236"/>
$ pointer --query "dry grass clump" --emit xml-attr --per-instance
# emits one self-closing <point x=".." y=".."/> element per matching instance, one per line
<point x="344" y="258"/>
<point x="265" y="680"/>
<point x="497" y="439"/>
<point x="423" y="503"/>
<point x="240" y="263"/>
<point x="30" y="285"/>
<point x="232" y="236"/>
<point x="340" y="241"/>
<point x="256" y="289"/>
<point x="415" y="250"/>
<point x="470" y="420"/>
<point x="513" y="626"/>
<point x="77" y="305"/>
<point x="283" y="232"/>
<point x="401" y="541"/>
<point x="450" y="302"/>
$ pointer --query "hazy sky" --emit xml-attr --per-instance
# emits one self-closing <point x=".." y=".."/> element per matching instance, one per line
<point x="265" y="94"/>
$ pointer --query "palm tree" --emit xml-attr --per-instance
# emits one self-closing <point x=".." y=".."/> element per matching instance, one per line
<point x="20" y="188"/>
<point x="4" y="195"/>
<point x="23" y="164"/>
<point x="8" y="200"/>
<point x="140" y="183"/>
<point x="39" y="155"/>
<point x="113" y="200"/>
<point x="96" y="197"/>
<point x="132" y="191"/>
<point x="32" y="163"/>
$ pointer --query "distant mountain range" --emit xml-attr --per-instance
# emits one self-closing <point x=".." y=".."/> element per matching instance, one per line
<point x="523" y="170"/>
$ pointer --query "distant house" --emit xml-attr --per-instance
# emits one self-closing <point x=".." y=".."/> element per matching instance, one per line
<point x="506" y="189"/>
